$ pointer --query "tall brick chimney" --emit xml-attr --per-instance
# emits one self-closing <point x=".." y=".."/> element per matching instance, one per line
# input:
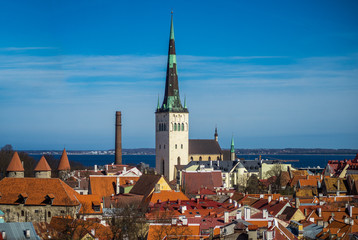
<point x="118" y="147"/>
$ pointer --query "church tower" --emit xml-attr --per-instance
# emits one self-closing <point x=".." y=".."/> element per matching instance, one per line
<point x="171" y="121"/>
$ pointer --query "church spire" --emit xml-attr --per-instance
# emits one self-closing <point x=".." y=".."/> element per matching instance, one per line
<point x="171" y="100"/>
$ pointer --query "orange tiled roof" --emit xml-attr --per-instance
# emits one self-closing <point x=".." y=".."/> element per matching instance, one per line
<point x="37" y="189"/>
<point x="170" y="195"/>
<point x="42" y="165"/>
<point x="80" y="228"/>
<point x="307" y="182"/>
<point x="87" y="202"/>
<point x="64" y="163"/>
<point x="15" y="164"/>
<point x="105" y="186"/>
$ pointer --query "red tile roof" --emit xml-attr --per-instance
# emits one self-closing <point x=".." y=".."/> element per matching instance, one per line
<point x="194" y="181"/>
<point x="169" y="195"/>
<point x="15" y="164"/>
<point x="87" y="203"/>
<point x="105" y="186"/>
<point x="42" y="165"/>
<point x="37" y="189"/>
<point x="64" y="163"/>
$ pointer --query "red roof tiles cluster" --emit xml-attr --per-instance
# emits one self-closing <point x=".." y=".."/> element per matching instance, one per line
<point x="194" y="181"/>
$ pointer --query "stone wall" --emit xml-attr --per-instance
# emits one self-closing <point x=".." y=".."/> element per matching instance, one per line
<point x="25" y="213"/>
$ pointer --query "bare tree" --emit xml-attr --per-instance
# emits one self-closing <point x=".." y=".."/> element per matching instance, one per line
<point x="128" y="222"/>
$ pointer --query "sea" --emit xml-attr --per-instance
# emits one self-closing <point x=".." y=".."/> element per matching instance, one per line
<point x="300" y="161"/>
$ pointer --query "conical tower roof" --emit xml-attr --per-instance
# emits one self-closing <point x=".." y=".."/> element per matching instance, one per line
<point x="64" y="163"/>
<point x="42" y="165"/>
<point x="15" y="164"/>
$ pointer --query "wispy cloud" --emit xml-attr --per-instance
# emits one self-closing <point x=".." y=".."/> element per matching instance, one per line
<point x="66" y="75"/>
<point x="25" y="48"/>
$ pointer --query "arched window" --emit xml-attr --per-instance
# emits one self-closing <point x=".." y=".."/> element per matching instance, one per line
<point x="48" y="214"/>
<point x="182" y="126"/>
<point x="22" y="213"/>
<point x="163" y="168"/>
<point x="182" y="146"/>
<point x="178" y="161"/>
<point x="176" y="146"/>
<point x="178" y="126"/>
<point x="175" y="126"/>
<point x="191" y="158"/>
<point x="200" y="158"/>
<point x="209" y="158"/>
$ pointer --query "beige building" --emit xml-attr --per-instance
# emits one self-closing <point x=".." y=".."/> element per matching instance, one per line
<point x="269" y="169"/>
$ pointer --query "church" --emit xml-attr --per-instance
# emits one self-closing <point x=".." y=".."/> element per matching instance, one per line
<point x="172" y="145"/>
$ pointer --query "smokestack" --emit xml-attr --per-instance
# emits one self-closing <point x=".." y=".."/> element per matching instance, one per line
<point x="118" y="138"/>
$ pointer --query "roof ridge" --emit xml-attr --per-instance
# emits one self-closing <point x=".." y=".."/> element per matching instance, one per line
<point x="68" y="195"/>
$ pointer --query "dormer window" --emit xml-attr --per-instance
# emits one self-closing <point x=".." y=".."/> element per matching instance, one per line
<point x="22" y="198"/>
<point x="96" y="206"/>
<point x="49" y="198"/>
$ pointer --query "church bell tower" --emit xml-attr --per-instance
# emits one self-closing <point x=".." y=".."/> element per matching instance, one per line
<point x="171" y="121"/>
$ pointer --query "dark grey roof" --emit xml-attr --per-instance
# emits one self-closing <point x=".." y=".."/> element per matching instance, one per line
<point x="225" y="166"/>
<point x="17" y="230"/>
<point x="251" y="165"/>
<point x="204" y="146"/>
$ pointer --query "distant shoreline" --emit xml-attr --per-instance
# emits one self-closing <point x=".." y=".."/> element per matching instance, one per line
<point x="151" y="151"/>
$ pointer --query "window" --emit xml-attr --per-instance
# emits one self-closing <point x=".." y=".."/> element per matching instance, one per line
<point x="218" y="158"/>
<point x="175" y="126"/>
<point x="176" y="146"/>
<point x="36" y="211"/>
<point x="22" y="213"/>
<point x="178" y="161"/>
<point x="200" y="158"/>
<point x="62" y="211"/>
<point x="48" y="214"/>
<point x="164" y="146"/>
<point x="163" y="168"/>
<point x="182" y="126"/>
<point x="191" y="158"/>
<point x="182" y="146"/>
<point x="165" y="127"/>
<point x="209" y="158"/>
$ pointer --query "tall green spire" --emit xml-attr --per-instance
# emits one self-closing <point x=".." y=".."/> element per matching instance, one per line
<point x="232" y="149"/>
<point x="158" y="105"/>
<point x="171" y="100"/>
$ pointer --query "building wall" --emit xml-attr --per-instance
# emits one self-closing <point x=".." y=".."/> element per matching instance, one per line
<point x="25" y="213"/>
<point x="298" y="216"/>
<point x="15" y="174"/>
<point x="266" y="168"/>
<point x="43" y="174"/>
<point x="205" y="157"/>
<point x="170" y="144"/>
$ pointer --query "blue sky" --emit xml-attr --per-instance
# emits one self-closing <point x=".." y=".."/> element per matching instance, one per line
<point x="274" y="74"/>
